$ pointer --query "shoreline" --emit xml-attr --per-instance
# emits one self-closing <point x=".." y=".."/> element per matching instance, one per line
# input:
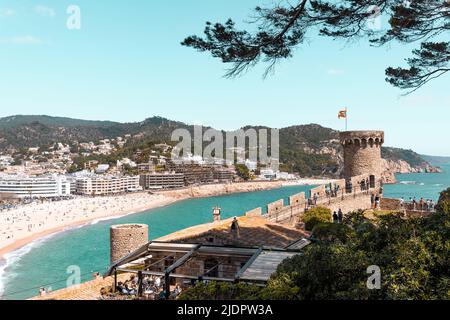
<point x="167" y="197"/>
<point x="18" y="244"/>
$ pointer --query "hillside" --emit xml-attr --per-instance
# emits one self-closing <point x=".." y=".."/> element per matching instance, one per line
<point x="436" y="160"/>
<point x="311" y="149"/>
<point x="15" y="121"/>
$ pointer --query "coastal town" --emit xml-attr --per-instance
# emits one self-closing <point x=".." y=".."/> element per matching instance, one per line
<point x="224" y="159"/>
<point x="226" y="250"/>
<point x="38" y="196"/>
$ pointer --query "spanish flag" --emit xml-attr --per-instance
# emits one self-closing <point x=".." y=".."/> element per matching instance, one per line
<point x="342" y="114"/>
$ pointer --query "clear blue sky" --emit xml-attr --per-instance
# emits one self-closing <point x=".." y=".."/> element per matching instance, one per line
<point x="126" y="64"/>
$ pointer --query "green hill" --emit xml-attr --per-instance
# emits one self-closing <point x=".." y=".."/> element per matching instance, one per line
<point x="17" y="120"/>
<point x="311" y="150"/>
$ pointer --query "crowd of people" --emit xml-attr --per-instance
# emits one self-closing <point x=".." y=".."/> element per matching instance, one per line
<point x="152" y="288"/>
<point x="421" y="205"/>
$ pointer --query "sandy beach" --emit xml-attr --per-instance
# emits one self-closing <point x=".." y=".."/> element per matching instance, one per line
<point x="27" y="223"/>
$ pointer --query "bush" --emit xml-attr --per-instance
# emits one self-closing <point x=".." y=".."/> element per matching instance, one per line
<point x="332" y="232"/>
<point x="316" y="216"/>
<point x="221" y="291"/>
<point x="443" y="205"/>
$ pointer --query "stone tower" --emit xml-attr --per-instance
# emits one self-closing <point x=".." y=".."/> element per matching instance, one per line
<point x="362" y="153"/>
<point x="126" y="238"/>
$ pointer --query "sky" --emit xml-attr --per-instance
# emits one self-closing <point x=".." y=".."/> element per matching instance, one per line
<point x="125" y="64"/>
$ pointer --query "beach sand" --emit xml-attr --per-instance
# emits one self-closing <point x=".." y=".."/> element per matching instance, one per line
<point x="30" y="222"/>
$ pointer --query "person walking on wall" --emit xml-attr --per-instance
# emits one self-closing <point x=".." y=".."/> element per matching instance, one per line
<point x="335" y="217"/>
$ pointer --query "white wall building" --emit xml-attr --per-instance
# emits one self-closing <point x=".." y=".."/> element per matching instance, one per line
<point x="107" y="185"/>
<point x="34" y="187"/>
<point x="267" y="174"/>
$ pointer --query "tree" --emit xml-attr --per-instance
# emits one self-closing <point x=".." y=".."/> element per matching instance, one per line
<point x="221" y="291"/>
<point x="315" y="216"/>
<point x="444" y="202"/>
<point x="412" y="255"/>
<point x="242" y="171"/>
<point x="283" y="27"/>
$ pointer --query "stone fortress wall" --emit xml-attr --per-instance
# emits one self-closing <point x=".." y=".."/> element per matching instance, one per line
<point x="362" y="152"/>
<point x="298" y="204"/>
<point x="362" y="156"/>
<point x="362" y="182"/>
<point x="126" y="238"/>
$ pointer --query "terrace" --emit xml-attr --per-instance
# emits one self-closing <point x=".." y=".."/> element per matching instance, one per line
<point x="163" y="269"/>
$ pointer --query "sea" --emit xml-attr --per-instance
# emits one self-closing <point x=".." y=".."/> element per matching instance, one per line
<point x="49" y="262"/>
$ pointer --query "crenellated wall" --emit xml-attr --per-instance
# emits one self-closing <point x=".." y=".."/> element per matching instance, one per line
<point x="297" y="199"/>
<point x="358" y="198"/>
<point x="362" y="152"/>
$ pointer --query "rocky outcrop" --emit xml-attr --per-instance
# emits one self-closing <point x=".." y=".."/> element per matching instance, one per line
<point x="392" y="167"/>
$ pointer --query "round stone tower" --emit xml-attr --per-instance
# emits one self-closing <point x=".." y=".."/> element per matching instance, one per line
<point x="126" y="238"/>
<point x="362" y="153"/>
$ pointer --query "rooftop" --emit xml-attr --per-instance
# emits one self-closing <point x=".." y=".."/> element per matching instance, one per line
<point x="253" y="231"/>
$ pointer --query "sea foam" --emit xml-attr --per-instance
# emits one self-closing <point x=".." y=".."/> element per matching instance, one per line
<point x="13" y="257"/>
<point x="96" y="221"/>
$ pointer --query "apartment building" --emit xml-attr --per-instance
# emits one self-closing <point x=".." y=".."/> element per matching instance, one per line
<point x="162" y="180"/>
<point x="21" y="186"/>
<point x="107" y="185"/>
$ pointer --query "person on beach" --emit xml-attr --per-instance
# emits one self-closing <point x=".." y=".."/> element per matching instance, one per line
<point x="315" y="199"/>
<point x="402" y="202"/>
<point x="340" y="216"/>
<point x="42" y="291"/>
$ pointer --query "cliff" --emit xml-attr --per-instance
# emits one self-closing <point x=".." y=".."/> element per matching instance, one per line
<point x="391" y="167"/>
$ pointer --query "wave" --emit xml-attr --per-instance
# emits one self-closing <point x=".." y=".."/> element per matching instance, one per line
<point x="408" y="182"/>
<point x="96" y="221"/>
<point x="438" y="185"/>
<point x="13" y="257"/>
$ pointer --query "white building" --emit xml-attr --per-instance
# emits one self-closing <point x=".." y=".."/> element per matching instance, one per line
<point x="102" y="168"/>
<point x="107" y="185"/>
<point x="251" y="165"/>
<point x="285" y="176"/>
<point x="34" y="187"/>
<point x="162" y="180"/>
<point x="267" y="174"/>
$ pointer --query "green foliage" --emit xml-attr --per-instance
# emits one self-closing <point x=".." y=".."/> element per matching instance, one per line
<point x="335" y="232"/>
<point x="221" y="291"/>
<point x="242" y="171"/>
<point x="444" y="202"/>
<point x="315" y="216"/>
<point x="411" y="157"/>
<point x="411" y="253"/>
<point x="73" y="168"/>
<point x="299" y="145"/>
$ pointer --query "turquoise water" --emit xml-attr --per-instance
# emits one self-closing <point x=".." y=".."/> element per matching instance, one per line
<point x="45" y="262"/>
<point x="426" y="185"/>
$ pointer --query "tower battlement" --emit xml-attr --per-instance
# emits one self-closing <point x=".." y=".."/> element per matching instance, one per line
<point x="362" y="153"/>
<point x="360" y="137"/>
